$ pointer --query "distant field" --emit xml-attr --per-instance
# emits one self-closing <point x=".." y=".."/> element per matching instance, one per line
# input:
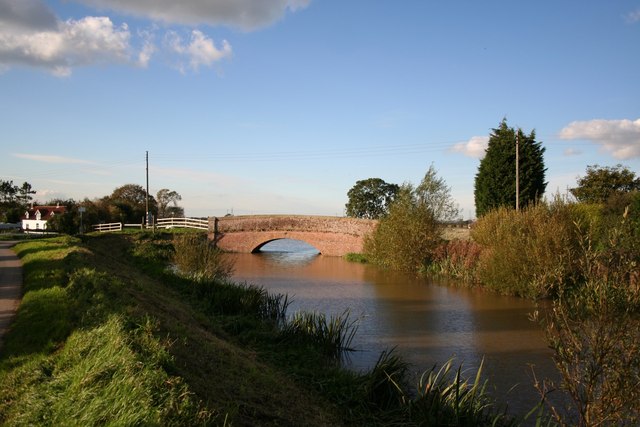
<point x="460" y="233"/>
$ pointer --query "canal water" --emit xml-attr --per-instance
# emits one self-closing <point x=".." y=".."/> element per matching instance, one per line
<point x="427" y="322"/>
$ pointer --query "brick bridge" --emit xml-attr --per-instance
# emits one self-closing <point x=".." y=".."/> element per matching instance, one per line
<point x="333" y="236"/>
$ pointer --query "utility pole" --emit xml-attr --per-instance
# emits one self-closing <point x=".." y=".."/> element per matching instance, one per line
<point x="147" y="195"/>
<point x="517" y="171"/>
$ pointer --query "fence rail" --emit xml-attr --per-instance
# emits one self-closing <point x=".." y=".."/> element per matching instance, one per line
<point x="200" y="224"/>
<point x="197" y="223"/>
<point x="104" y="228"/>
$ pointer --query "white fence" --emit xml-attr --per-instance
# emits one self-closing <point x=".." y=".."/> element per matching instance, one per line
<point x="103" y="228"/>
<point x="200" y="224"/>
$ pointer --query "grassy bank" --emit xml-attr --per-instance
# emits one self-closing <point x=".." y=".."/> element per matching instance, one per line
<point x="107" y="334"/>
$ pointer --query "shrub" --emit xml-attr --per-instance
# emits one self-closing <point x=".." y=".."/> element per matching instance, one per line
<point x="594" y="331"/>
<point x="406" y="237"/>
<point x="530" y="253"/>
<point x="595" y="336"/>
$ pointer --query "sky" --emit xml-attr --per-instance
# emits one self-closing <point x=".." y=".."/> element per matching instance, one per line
<point x="281" y="106"/>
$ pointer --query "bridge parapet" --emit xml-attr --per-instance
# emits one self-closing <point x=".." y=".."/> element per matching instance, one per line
<point x="330" y="235"/>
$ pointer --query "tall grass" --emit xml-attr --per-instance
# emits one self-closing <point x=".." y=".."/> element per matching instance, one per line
<point x="332" y="336"/>
<point x="99" y="378"/>
<point x="447" y="398"/>
<point x="443" y="397"/>
<point x="236" y="299"/>
<point x="72" y="357"/>
<point x="458" y="259"/>
<point x="197" y="258"/>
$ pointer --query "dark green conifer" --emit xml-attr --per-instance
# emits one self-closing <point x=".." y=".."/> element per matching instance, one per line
<point x="495" y="183"/>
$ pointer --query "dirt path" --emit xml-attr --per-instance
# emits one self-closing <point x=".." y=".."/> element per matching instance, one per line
<point x="10" y="285"/>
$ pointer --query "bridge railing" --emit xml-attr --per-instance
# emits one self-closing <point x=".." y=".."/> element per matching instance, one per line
<point x="197" y="223"/>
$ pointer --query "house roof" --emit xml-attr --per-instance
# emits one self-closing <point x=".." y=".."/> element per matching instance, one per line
<point x="46" y="212"/>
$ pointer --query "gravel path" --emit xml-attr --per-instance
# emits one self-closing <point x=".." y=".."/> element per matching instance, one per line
<point x="10" y="285"/>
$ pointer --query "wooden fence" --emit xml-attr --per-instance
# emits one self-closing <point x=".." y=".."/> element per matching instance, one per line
<point x="104" y="228"/>
<point x="200" y="224"/>
<point x="197" y="223"/>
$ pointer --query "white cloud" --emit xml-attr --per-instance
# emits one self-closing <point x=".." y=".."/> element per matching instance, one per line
<point x="31" y="35"/>
<point x="245" y="14"/>
<point x="52" y="159"/>
<point x="475" y="147"/>
<point x="199" y="51"/>
<point x="620" y="138"/>
<point x="148" y="48"/>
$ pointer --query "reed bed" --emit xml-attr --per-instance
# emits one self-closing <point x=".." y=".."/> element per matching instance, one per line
<point x="331" y="335"/>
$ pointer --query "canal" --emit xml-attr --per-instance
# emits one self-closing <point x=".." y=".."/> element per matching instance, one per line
<point x="427" y="322"/>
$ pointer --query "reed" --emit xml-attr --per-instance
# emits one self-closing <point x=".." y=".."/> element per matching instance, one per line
<point x="385" y="383"/>
<point x="331" y="336"/>
<point x="197" y="258"/>
<point x="445" y="397"/>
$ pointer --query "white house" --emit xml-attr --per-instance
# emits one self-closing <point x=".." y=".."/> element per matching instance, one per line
<point x="35" y="219"/>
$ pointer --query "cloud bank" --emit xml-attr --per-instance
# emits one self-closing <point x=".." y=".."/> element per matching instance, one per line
<point x="32" y="35"/>
<point x="620" y="138"/>
<point x="244" y="14"/>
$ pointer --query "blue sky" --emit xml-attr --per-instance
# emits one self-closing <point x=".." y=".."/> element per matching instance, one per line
<point x="280" y="106"/>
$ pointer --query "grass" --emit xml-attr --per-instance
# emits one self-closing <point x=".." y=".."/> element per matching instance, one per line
<point x="107" y="334"/>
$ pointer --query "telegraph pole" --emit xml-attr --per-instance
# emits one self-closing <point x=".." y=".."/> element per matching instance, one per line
<point x="517" y="171"/>
<point x="147" y="195"/>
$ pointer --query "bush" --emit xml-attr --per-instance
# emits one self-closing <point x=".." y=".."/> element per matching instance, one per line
<point x="404" y="239"/>
<point x="595" y="336"/>
<point x="531" y="253"/>
<point x="594" y="331"/>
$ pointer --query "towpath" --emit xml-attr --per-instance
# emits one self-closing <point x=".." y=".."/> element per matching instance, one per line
<point x="10" y="285"/>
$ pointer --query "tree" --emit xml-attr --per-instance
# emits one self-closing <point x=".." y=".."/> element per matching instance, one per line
<point x="67" y="222"/>
<point x="601" y="183"/>
<point x="406" y="237"/>
<point x="495" y="182"/>
<point x="436" y="195"/>
<point x="14" y="200"/>
<point x="370" y="198"/>
<point x="165" y="197"/>
<point x="128" y="203"/>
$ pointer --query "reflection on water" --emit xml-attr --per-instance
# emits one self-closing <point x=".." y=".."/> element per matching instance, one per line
<point x="427" y="323"/>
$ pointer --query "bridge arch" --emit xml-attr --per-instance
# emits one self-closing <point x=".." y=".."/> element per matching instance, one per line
<point x="333" y="236"/>
<point x="262" y="245"/>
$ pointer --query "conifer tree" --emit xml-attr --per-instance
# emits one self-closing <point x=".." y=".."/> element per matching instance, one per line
<point x="495" y="183"/>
